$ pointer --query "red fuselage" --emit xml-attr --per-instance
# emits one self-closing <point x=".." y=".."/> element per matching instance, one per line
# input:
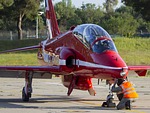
<point x="75" y="57"/>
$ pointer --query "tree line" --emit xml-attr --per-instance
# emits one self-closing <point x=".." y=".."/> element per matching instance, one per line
<point x="132" y="17"/>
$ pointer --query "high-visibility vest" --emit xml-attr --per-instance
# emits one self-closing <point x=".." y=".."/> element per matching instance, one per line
<point x="128" y="90"/>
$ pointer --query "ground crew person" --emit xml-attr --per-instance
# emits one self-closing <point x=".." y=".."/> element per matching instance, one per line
<point x="126" y="89"/>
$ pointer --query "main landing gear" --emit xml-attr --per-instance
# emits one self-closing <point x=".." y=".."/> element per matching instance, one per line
<point x="27" y="89"/>
<point x="109" y="101"/>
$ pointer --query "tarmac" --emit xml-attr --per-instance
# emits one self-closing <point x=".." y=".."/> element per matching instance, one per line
<point x="50" y="96"/>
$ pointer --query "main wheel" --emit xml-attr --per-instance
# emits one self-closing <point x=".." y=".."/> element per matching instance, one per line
<point x="25" y="97"/>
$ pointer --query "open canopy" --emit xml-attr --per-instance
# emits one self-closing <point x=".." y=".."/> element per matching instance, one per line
<point x="94" y="37"/>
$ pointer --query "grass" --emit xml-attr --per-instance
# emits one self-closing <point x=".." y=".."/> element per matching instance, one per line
<point x="135" y="51"/>
<point x="7" y="44"/>
<point x="19" y="59"/>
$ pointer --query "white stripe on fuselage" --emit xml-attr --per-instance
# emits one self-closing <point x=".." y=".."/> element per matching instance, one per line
<point x="79" y="63"/>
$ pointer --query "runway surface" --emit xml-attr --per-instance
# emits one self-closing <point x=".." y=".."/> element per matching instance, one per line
<point x="50" y="96"/>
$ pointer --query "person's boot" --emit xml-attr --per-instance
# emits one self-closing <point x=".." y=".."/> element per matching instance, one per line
<point x="128" y="105"/>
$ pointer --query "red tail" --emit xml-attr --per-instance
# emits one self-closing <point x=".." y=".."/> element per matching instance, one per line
<point x="53" y="29"/>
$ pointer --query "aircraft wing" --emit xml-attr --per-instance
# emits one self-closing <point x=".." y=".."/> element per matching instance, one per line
<point x="22" y="49"/>
<point x="51" y="69"/>
<point x="140" y="70"/>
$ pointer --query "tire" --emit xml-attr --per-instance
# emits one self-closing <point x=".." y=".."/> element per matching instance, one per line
<point x="25" y="97"/>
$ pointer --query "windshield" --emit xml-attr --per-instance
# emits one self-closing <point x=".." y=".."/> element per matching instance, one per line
<point x="94" y="37"/>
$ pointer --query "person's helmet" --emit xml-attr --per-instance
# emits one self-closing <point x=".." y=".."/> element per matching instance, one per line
<point x="120" y="81"/>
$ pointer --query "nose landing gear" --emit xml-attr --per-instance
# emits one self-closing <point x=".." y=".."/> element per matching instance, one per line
<point x="109" y="101"/>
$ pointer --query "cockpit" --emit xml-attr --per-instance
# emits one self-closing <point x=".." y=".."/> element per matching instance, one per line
<point x="94" y="37"/>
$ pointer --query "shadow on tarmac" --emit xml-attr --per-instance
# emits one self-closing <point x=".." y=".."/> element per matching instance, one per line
<point x="55" y="102"/>
<point x="50" y="99"/>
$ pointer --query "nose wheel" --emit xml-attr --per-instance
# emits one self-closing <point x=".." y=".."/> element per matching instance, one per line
<point x="109" y="101"/>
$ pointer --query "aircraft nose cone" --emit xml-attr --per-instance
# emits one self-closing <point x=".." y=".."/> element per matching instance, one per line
<point x="113" y="60"/>
<point x="109" y="58"/>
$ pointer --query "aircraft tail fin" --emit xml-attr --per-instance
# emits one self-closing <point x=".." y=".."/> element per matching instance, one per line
<point x="51" y="21"/>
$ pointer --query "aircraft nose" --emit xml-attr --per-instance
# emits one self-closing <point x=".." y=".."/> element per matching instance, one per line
<point x="109" y="58"/>
<point x="112" y="59"/>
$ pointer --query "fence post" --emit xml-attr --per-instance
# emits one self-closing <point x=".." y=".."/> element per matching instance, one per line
<point x="27" y="34"/>
<point x="37" y="27"/>
<point x="11" y="38"/>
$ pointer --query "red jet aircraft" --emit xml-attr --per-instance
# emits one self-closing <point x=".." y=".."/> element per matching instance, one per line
<point x="84" y="52"/>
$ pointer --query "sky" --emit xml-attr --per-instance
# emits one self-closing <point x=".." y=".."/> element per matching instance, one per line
<point x="78" y="3"/>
